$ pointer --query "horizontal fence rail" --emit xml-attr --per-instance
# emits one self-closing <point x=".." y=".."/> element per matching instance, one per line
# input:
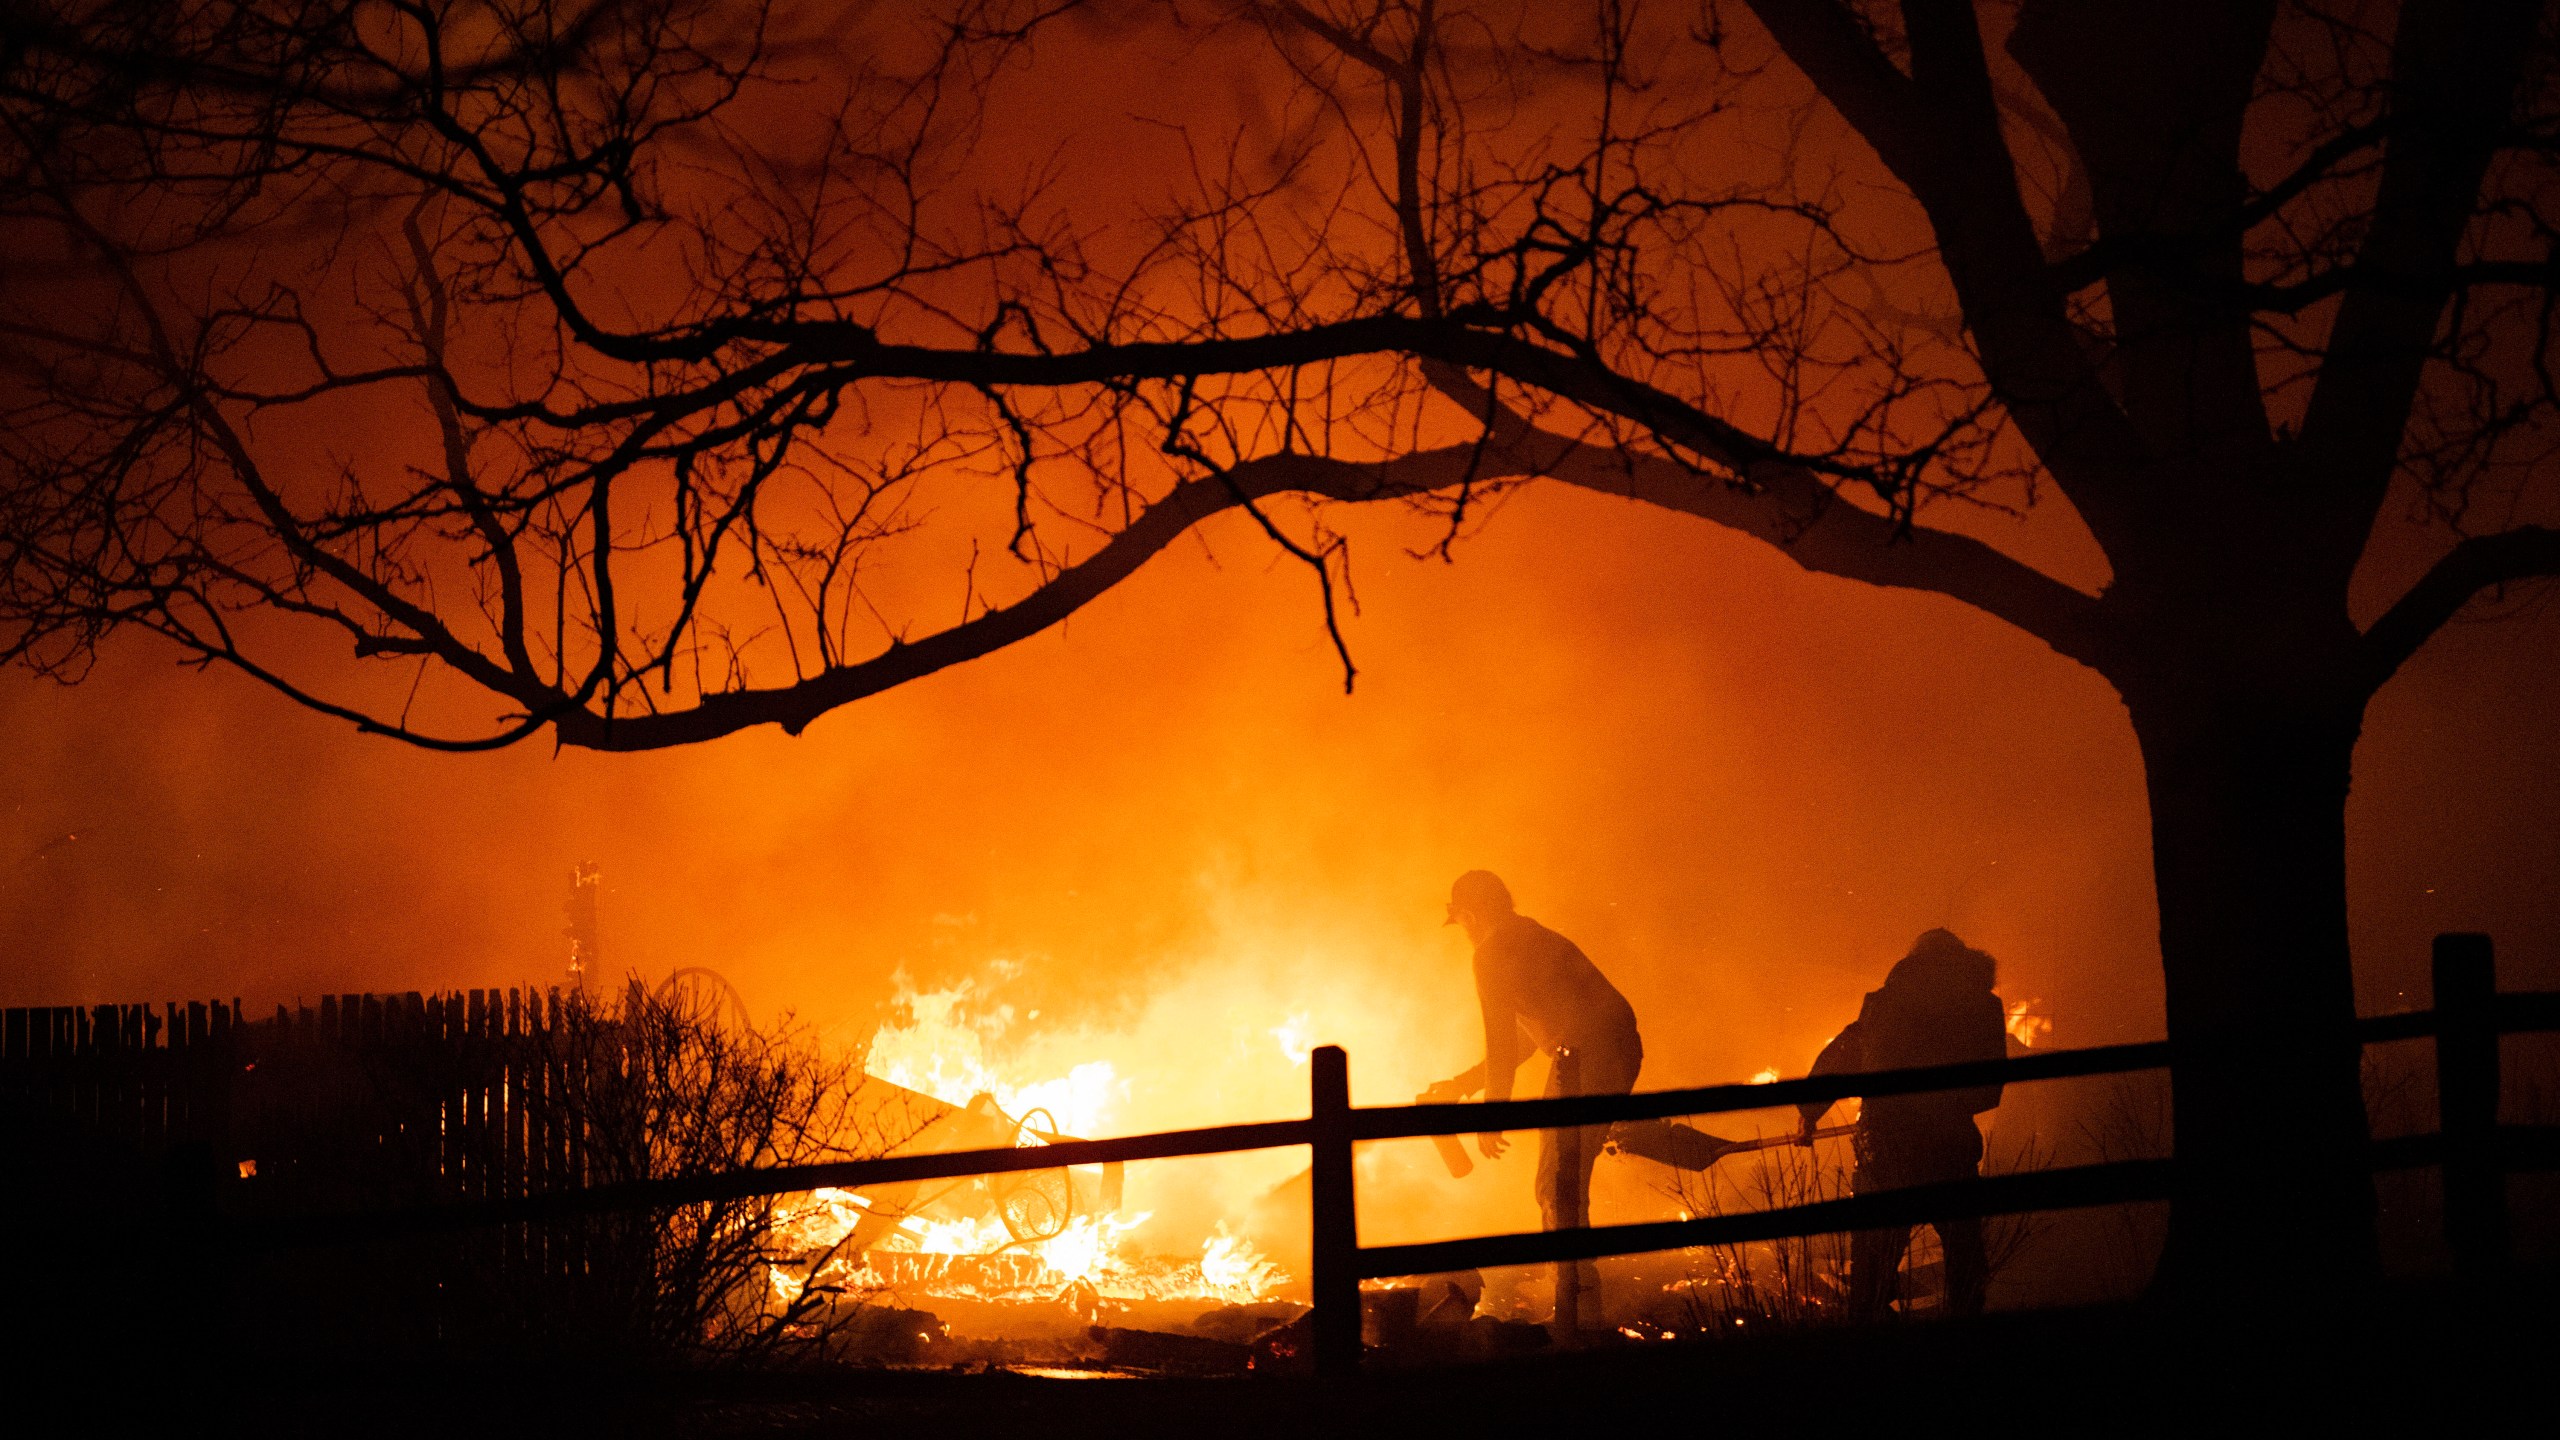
<point x="2474" y="1150"/>
<point x="2069" y="1188"/>
<point x="674" y="1191"/>
<point x="1397" y="1122"/>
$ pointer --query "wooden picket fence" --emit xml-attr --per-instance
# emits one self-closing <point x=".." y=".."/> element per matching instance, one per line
<point x="379" y="1099"/>
<point x="362" y="1103"/>
<point x="130" y="1074"/>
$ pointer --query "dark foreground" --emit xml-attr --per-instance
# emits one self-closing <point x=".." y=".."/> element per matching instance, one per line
<point x="2430" y="1356"/>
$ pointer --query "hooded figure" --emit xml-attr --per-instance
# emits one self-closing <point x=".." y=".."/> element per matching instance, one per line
<point x="1936" y="1008"/>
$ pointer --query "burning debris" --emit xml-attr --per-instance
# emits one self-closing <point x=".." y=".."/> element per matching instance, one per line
<point x="940" y="1250"/>
<point x="1034" y="1251"/>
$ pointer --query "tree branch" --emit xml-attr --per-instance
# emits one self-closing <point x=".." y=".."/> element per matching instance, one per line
<point x="2454" y="74"/>
<point x="2472" y="566"/>
<point x="1939" y="133"/>
<point x="795" y="705"/>
<point x="1829" y="536"/>
<point x="1808" y="525"/>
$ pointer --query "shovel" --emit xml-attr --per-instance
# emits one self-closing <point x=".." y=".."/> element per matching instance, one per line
<point x="1776" y="1142"/>
<point x="1681" y="1147"/>
<point x="1685" y="1147"/>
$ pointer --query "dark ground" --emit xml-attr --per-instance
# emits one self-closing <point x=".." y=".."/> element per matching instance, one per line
<point x="2426" y="1359"/>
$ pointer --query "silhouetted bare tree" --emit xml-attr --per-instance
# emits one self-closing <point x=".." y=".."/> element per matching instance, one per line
<point x="651" y="329"/>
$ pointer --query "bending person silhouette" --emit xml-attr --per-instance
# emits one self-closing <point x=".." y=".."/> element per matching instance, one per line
<point x="1541" y="993"/>
<point x="1936" y="1008"/>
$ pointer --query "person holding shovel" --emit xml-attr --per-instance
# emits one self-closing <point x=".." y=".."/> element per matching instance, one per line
<point x="1936" y="1008"/>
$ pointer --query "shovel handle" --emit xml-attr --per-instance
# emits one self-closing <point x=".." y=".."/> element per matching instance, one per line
<point x="1773" y="1142"/>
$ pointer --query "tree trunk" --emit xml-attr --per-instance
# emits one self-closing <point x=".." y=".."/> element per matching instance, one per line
<point x="2248" y="817"/>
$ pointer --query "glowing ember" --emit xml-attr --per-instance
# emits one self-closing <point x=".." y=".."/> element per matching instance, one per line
<point x="2025" y="1026"/>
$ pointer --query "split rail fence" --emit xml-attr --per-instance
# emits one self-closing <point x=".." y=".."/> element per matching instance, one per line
<point x="2473" y="1149"/>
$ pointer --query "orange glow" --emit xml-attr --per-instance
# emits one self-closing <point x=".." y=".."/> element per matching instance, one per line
<point x="1127" y="874"/>
<point x="932" y="1053"/>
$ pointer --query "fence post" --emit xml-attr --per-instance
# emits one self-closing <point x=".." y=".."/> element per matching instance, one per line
<point x="1570" y="1201"/>
<point x="1335" y="1216"/>
<point x="2475" y="1182"/>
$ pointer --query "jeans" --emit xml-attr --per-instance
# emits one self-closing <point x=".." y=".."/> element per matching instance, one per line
<point x="1938" y="1152"/>
<point x="1565" y="1158"/>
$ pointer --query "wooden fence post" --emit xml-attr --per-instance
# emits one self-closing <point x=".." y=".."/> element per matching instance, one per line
<point x="1335" y="1216"/>
<point x="1570" y="1202"/>
<point x="2475" y="1181"/>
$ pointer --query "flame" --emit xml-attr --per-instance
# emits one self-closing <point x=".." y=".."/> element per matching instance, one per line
<point x="955" y="1044"/>
<point x="1765" y="1075"/>
<point x="1297" y="1038"/>
<point x="941" y="1050"/>
<point x="985" y="1260"/>
<point x="1088" y="1249"/>
<point x="2025" y="1026"/>
<point x="1230" y="1266"/>
<point x="957" y="1235"/>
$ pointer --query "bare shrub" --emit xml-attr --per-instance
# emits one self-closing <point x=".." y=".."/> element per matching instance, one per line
<point x="1791" y="1283"/>
<point x="1803" y="1280"/>
<point x="675" y="1090"/>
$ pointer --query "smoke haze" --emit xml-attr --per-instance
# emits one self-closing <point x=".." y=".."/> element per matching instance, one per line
<point x="1742" y="789"/>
